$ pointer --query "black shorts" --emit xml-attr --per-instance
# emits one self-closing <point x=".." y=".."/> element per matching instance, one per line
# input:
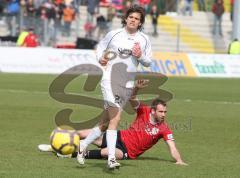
<point x="119" y="144"/>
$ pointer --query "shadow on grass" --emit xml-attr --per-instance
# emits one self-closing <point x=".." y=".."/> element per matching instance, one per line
<point x="155" y="159"/>
<point x="103" y="166"/>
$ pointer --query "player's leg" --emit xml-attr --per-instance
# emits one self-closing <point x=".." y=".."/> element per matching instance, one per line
<point x="114" y="112"/>
<point x="118" y="153"/>
<point x="92" y="134"/>
<point x="95" y="133"/>
<point x="84" y="133"/>
<point x="102" y="153"/>
<point x="111" y="135"/>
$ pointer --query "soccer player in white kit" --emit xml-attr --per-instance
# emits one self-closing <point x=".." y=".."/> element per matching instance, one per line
<point x="127" y="46"/>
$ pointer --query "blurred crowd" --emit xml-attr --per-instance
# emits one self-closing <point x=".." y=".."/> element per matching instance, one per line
<point x="49" y="19"/>
<point x="46" y="17"/>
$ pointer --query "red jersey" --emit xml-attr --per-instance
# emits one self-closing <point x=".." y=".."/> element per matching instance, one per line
<point x="31" y="40"/>
<point x="143" y="133"/>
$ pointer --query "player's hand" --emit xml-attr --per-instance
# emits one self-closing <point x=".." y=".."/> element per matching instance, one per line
<point x="141" y="83"/>
<point x="103" y="61"/>
<point x="136" y="50"/>
<point x="107" y="56"/>
<point x="181" y="163"/>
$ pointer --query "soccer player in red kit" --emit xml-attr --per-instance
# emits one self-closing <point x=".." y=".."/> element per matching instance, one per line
<point x="148" y="127"/>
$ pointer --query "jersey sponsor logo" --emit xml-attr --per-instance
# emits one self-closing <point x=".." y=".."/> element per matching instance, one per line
<point x="151" y="131"/>
<point x="130" y="39"/>
<point x="124" y="53"/>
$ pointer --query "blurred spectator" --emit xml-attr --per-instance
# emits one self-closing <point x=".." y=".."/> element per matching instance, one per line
<point x="234" y="47"/>
<point x="31" y="40"/>
<point x="59" y="6"/>
<point x="57" y="2"/>
<point x="218" y="10"/>
<point x="12" y="16"/>
<point x="111" y="12"/>
<point x="22" y="37"/>
<point x="22" y="14"/>
<point x="126" y="6"/>
<point x="41" y="18"/>
<point x="49" y="25"/>
<point x="89" y="29"/>
<point x="201" y="5"/>
<point x="154" y="14"/>
<point x="102" y="26"/>
<point x="118" y="5"/>
<point x="91" y="5"/>
<point x="231" y="9"/>
<point x="187" y="7"/>
<point x="144" y="4"/>
<point x="97" y="6"/>
<point x="45" y="17"/>
<point x="30" y="13"/>
<point x="68" y="17"/>
<point x="39" y="3"/>
<point x="170" y="5"/>
<point x="2" y="6"/>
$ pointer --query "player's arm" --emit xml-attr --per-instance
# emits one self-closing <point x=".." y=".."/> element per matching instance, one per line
<point x="135" y="103"/>
<point x="101" y="49"/>
<point x="174" y="152"/>
<point x="139" y="84"/>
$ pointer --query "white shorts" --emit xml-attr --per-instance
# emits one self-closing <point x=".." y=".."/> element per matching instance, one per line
<point x="117" y="97"/>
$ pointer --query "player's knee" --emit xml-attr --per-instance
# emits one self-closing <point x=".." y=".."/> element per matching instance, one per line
<point x="119" y="154"/>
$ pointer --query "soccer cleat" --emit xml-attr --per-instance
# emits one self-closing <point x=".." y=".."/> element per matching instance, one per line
<point x="81" y="157"/>
<point x="45" y="148"/>
<point x="81" y="154"/>
<point x="112" y="164"/>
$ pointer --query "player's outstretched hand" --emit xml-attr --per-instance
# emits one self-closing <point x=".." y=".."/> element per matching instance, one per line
<point x="141" y="83"/>
<point x="181" y="163"/>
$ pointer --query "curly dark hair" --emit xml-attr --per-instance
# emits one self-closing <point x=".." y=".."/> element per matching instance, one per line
<point x="132" y="9"/>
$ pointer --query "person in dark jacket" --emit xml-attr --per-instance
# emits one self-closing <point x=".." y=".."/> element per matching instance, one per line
<point x="218" y="10"/>
<point x="154" y="14"/>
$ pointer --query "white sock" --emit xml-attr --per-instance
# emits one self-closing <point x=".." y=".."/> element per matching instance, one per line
<point x="93" y="135"/>
<point x="111" y="137"/>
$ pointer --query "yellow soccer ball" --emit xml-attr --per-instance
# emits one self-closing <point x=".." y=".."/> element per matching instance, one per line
<point x="64" y="142"/>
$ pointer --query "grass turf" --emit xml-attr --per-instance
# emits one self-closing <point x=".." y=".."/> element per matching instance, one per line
<point x="203" y="116"/>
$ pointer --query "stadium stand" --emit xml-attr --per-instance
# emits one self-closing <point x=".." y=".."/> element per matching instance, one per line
<point x="177" y="33"/>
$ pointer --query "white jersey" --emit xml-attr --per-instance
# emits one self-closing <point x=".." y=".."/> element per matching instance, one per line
<point x="121" y="42"/>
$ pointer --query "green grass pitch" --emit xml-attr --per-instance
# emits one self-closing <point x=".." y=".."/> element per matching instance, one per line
<point x="204" y="115"/>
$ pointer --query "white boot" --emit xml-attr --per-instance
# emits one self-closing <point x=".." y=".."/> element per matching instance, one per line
<point x="45" y="148"/>
<point x="112" y="163"/>
<point x="81" y="154"/>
